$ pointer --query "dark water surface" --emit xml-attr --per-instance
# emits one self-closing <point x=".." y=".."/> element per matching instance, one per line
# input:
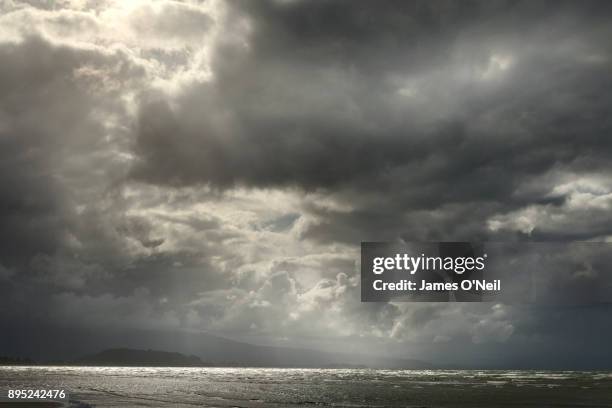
<point x="269" y="387"/>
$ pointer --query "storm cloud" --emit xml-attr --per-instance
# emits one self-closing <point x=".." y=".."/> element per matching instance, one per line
<point x="213" y="166"/>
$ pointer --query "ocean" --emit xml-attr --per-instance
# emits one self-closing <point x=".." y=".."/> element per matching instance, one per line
<point x="270" y="387"/>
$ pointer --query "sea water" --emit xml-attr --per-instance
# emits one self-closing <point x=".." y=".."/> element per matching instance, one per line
<point x="269" y="387"/>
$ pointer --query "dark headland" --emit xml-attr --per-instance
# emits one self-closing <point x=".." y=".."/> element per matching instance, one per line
<point x="142" y="358"/>
<point x="70" y="346"/>
<point x="284" y="358"/>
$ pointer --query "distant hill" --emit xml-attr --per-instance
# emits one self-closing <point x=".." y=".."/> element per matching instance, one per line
<point x="6" y="360"/>
<point x="268" y="357"/>
<point x="68" y="345"/>
<point x="133" y="357"/>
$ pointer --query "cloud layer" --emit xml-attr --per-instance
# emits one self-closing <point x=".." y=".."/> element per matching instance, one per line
<point x="214" y="165"/>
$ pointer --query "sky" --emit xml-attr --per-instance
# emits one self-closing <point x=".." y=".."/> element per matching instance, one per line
<point x="212" y="166"/>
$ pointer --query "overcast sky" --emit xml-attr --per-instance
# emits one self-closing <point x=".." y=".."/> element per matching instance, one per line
<point x="213" y="166"/>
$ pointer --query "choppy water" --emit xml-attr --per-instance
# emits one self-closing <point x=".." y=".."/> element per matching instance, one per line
<point x="266" y="387"/>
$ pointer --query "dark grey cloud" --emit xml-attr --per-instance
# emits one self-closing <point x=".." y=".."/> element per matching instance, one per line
<point x="429" y="103"/>
<point x="44" y="122"/>
<point x="213" y="166"/>
<point x="67" y="237"/>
